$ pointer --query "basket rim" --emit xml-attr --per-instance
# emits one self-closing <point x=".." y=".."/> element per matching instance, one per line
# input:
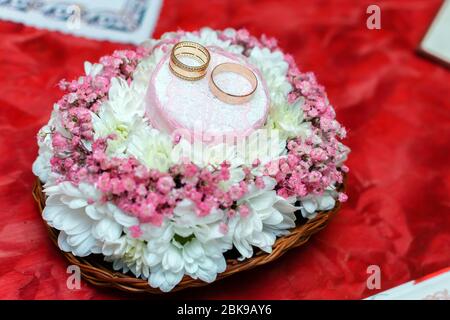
<point x="101" y="274"/>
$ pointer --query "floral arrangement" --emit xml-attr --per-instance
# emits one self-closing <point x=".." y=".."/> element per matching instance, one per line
<point x="118" y="187"/>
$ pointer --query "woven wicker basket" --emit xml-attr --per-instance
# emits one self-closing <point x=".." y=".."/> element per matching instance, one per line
<point x="97" y="272"/>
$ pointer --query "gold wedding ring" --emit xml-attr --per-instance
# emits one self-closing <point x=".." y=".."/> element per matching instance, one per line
<point x="229" y="97"/>
<point x="191" y="50"/>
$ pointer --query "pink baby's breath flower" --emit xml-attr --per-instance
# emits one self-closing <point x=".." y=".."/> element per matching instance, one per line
<point x="318" y="154"/>
<point x="256" y="163"/>
<point x="128" y="183"/>
<point x="272" y="168"/>
<point x="190" y="170"/>
<point x="204" y="208"/>
<point x="243" y="35"/>
<point x="224" y="171"/>
<point x="342" y="197"/>
<point x="59" y="142"/>
<point x="284" y="192"/>
<point x="244" y="210"/>
<point x="269" y="42"/>
<point x="292" y="97"/>
<point x="231" y="213"/>
<point x="259" y="183"/>
<point x="165" y="184"/>
<point x="136" y="231"/>
<point x="236" y="192"/>
<point x="103" y="182"/>
<point x="223" y="228"/>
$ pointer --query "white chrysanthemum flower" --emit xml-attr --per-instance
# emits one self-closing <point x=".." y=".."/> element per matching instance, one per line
<point x="288" y="120"/>
<point x="342" y="154"/>
<point x="312" y="204"/>
<point x="269" y="217"/>
<point x="41" y="166"/>
<point x="143" y="72"/>
<point x="263" y="145"/>
<point x="152" y="148"/>
<point x="188" y="256"/>
<point x="128" y="254"/>
<point x="108" y="123"/>
<point x="274" y="69"/>
<point x="187" y="222"/>
<point x="124" y="100"/>
<point x="122" y="115"/>
<point x="185" y="244"/>
<point x="84" y="222"/>
<point x="168" y="276"/>
<point x="208" y="37"/>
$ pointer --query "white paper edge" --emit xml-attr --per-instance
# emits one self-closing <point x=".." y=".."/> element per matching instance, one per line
<point x="38" y="21"/>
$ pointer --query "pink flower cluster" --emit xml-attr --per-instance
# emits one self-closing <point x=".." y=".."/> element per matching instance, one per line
<point x="151" y="195"/>
<point x="323" y="159"/>
<point x="307" y="169"/>
<point x="246" y="40"/>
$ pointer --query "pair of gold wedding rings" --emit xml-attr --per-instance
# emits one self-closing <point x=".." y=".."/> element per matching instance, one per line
<point x="200" y="54"/>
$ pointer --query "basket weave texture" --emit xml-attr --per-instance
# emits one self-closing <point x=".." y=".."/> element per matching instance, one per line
<point x="100" y="273"/>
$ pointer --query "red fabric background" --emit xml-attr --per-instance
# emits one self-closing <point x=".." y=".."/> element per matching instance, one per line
<point x="394" y="103"/>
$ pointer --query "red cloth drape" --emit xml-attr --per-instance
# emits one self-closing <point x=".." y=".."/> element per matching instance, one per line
<point x="394" y="104"/>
